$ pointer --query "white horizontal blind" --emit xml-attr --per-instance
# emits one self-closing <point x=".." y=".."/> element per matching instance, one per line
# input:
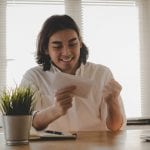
<point x="24" y="20"/>
<point x="112" y="33"/>
<point x="36" y="2"/>
<point x="109" y="2"/>
<point x="2" y="44"/>
<point x="144" y="22"/>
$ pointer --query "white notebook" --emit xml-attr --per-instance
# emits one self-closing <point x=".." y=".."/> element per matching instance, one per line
<point x="51" y="135"/>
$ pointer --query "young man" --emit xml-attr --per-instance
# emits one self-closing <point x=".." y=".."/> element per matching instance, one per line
<point x="61" y="49"/>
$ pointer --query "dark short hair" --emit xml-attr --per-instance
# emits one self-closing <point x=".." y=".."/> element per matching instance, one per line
<point x="52" y="25"/>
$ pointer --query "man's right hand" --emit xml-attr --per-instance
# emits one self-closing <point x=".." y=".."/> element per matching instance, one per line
<point x="63" y="99"/>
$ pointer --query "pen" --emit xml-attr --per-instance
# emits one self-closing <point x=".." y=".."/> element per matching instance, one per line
<point x="54" y="132"/>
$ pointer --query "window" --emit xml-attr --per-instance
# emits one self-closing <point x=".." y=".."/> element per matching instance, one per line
<point x="24" y="20"/>
<point x="110" y="30"/>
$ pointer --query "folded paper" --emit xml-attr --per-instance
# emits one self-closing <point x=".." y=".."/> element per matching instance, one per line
<point x="83" y="86"/>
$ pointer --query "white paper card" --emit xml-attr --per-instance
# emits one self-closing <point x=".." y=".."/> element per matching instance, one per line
<point x="83" y="86"/>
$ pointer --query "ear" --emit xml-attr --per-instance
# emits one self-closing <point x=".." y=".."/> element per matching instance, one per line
<point x="80" y="42"/>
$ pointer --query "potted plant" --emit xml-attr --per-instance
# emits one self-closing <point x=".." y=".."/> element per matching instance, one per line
<point x="17" y="106"/>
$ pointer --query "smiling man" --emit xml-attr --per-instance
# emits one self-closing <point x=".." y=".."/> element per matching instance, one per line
<point x="61" y="49"/>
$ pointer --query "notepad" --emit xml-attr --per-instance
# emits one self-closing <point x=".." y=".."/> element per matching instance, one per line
<point x="52" y="136"/>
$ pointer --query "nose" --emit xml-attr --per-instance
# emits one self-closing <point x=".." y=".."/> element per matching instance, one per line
<point x="66" y="51"/>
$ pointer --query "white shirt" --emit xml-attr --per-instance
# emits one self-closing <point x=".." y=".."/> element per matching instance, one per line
<point x="85" y="114"/>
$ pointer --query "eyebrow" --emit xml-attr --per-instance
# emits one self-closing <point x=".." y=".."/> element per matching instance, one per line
<point x="73" y="39"/>
<point x="56" y="42"/>
<point x="59" y="42"/>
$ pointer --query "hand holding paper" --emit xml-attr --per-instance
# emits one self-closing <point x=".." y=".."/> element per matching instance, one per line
<point x="83" y="86"/>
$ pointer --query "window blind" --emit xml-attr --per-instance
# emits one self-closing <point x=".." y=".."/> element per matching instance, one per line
<point x="43" y="2"/>
<point x="144" y="23"/>
<point x="112" y="34"/>
<point x="87" y="14"/>
<point x="24" y="20"/>
<point x="2" y="44"/>
<point x="109" y="2"/>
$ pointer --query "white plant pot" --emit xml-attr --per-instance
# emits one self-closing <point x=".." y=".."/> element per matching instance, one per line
<point x="17" y="129"/>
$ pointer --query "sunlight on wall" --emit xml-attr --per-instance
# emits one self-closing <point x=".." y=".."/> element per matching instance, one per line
<point x="112" y="36"/>
<point x="23" y="25"/>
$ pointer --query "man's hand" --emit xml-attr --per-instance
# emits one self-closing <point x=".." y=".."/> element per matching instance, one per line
<point x="63" y="99"/>
<point x="111" y="91"/>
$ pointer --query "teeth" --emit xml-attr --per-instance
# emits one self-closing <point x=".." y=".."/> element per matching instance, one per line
<point x="68" y="59"/>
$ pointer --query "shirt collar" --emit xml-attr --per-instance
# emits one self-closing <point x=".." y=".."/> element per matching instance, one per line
<point x="54" y="69"/>
<point x="79" y="71"/>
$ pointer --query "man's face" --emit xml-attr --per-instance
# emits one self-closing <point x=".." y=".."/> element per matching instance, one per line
<point x="64" y="50"/>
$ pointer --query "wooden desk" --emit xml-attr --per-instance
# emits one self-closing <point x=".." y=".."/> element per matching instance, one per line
<point x="122" y="140"/>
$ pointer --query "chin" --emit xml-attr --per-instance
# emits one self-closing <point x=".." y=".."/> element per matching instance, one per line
<point x="67" y="70"/>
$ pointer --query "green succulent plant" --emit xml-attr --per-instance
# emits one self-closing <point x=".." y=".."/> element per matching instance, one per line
<point x="18" y="101"/>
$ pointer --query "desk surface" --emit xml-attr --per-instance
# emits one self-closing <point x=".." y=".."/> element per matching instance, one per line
<point x="122" y="140"/>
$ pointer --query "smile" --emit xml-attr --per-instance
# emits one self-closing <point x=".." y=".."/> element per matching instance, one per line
<point x="67" y="59"/>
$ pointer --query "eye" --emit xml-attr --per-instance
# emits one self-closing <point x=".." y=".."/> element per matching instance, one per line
<point x="57" y="47"/>
<point x="73" y="44"/>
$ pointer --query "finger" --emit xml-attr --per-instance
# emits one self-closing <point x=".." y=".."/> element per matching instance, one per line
<point x="60" y="97"/>
<point x="107" y="89"/>
<point x="114" y="83"/>
<point x="113" y="86"/>
<point x="67" y="105"/>
<point x="112" y="89"/>
<point x="65" y="90"/>
<point x="65" y="101"/>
